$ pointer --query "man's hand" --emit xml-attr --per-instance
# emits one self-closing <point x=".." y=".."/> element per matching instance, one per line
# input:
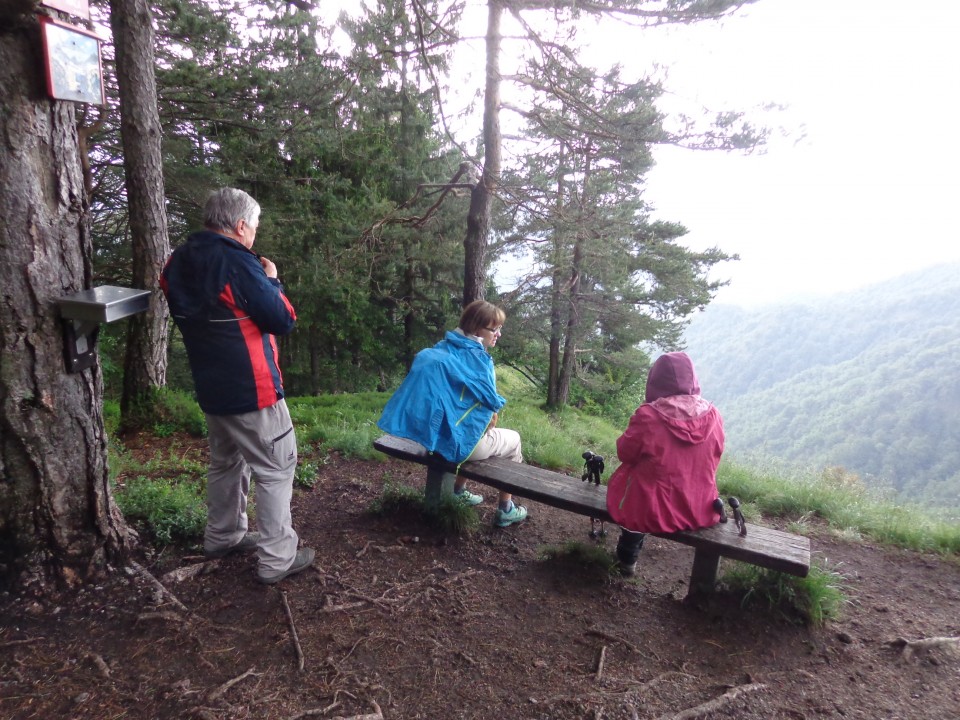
<point x="268" y="267"/>
<point x="493" y="422"/>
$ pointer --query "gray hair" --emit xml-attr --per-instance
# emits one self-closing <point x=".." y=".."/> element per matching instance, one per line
<point x="228" y="206"/>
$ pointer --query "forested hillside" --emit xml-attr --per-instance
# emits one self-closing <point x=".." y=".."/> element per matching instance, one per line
<point x="868" y="381"/>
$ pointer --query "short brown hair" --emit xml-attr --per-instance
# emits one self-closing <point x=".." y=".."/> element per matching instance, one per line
<point x="479" y="315"/>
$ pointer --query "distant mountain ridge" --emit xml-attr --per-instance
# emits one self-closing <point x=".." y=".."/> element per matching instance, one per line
<point x="867" y="380"/>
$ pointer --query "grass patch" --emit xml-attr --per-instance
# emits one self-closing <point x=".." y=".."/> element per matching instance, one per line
<point x="344" y="423"/>
<point x="587" y="558"/>
<point x="450" y="516"/>
<point x="845" y="503"/>
<point x="812" y="600"/>
<point x="397" y="499"/>
<point x="453" y="516"/>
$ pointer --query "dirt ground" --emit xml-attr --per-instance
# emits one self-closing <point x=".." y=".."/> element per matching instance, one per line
<point x="397" y="621"/>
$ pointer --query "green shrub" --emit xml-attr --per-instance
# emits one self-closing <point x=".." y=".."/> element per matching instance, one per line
<point x="111" y="416"/>
<point x="179" y="410"/>
<point x="169" y="511"/>
<point x="306" y="474"/>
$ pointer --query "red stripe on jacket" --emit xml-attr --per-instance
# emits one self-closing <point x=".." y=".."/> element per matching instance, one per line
<point x="253" y="339"/>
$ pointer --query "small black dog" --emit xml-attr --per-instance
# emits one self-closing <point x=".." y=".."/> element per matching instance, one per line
<point x="592" y="467"/>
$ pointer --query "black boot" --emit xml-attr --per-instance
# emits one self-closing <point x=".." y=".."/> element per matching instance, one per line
<point x="628" y="549"/>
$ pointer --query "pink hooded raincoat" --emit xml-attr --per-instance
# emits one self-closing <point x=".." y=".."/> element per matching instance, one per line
<point x="669" y="454"/>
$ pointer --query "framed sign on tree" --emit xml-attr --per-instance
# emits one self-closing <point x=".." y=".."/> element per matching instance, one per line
<point x="73" y="65"/>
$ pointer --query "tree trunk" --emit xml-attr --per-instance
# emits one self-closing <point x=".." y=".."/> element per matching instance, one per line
<point x="481" y="198"/>
<point x="57" y="517"/>
<point x="145" y="364"/>
<point x="574" y="312"/>
<point x="556" y="294"/>
<point x="573" y="321"/>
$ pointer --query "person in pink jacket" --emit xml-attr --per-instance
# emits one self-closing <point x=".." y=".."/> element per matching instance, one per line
<point x="669" y="454"/>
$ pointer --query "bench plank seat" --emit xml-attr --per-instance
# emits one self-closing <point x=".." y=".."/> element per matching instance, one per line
<point x="762" y="546"/>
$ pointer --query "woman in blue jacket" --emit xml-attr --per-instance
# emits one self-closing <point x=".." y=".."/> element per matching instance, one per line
<point x="449" y="403"/>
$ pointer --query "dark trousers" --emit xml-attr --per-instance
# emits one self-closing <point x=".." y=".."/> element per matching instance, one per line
<point x="629" y="546"/>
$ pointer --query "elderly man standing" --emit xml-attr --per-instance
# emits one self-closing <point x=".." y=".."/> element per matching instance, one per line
<point x="229" y="305"/>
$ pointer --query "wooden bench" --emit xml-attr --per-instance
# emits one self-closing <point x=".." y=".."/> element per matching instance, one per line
<point x="761" y="546"/>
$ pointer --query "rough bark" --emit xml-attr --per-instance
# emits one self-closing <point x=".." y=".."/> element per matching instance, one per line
<point x="481" y="198"/>
<point x="145" y="364"/>
<point x="57" y="517"/>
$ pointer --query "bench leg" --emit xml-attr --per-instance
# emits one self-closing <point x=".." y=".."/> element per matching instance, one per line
<point x="439" y="483"/>
<point x="703" y="579"/>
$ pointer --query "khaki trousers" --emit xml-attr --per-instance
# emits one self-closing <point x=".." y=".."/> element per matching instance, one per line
<point x="498" y="442"/>
<point x="261" y="443"/>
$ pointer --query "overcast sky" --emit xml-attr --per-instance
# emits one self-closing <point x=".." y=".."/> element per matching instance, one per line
<point x="866" y="187"/>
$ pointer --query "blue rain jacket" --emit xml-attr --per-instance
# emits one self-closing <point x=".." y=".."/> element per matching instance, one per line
<point x="447" y="399"/>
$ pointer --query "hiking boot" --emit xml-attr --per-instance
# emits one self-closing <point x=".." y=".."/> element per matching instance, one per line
<point x="517" y="514"/>
<point x="302" y="560"/>
<point x="467" y="497"/>
<point x="247" y="542"/>
<point x="627" y="569"/>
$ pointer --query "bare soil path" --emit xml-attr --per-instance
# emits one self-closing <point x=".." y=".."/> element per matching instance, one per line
<point x="399" y="622"/>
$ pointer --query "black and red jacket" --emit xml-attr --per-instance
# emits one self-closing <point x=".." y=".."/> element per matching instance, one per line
<point x="228" y="311"/>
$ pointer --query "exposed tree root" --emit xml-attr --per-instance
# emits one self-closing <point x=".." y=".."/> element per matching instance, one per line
<point x="910" y="649"/>
<point x="158" y="586"/>
<point x="377" y="715"/>
<point x="189" y="571"/>
<point x="218" y="692"/>
<point x="715" y="704"/>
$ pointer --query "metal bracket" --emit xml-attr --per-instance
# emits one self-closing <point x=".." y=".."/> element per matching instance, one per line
<point x="82" y="314"/>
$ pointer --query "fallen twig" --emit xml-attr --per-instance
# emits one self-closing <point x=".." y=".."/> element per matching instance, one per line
<point x="161" y="615"/>
<point x="715" y="704"/>
<point x="653" y="682"/>
<point x="293" y="630"/>
<point x="600" y="660"/>
<point x="466" y="657"/>
<point x="378" y="715"/>
<point x="613" y="638"/>
<point x="214" y="694"/>
<point x="315" y="711"/>
<point x="344" y="606"/>
<point x="13" y="643"/>
<point x="158" y="585"/>
<point x="100" y="663"/>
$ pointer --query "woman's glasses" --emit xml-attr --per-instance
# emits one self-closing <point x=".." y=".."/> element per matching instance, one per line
<point x="496" y="330"/>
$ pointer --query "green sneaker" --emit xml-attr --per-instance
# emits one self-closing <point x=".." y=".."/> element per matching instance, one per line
<point x="468" y="497"/>
<point x="517" y="514"/>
